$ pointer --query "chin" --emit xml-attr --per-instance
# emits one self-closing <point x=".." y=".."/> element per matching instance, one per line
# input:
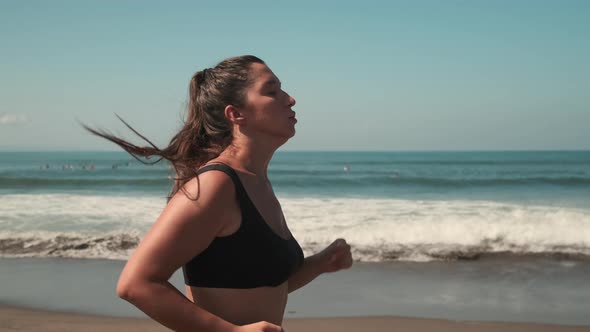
<point x="292" y="133"/>
<point x="277" y="137"/>
<point x="282" y="139"/>
<point x="283" y="134"/>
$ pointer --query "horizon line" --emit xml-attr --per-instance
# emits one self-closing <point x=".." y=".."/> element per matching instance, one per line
<point x="323" y="151"/>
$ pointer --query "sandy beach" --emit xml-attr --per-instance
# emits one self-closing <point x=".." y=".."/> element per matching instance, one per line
<point x="485" y="296"/>
<point x="19" y="319"/>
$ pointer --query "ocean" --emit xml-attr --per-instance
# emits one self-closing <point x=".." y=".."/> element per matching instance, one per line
<point x="501" y="236"/>
<point x="390" y="206"/>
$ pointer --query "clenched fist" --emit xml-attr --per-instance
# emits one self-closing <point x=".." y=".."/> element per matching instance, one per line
<point x="336" y="256"/>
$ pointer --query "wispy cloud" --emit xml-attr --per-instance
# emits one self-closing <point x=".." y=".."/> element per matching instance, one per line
<point x="9" y="119"/>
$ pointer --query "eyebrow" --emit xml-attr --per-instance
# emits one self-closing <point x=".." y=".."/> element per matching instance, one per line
<point x="270" y="82"/>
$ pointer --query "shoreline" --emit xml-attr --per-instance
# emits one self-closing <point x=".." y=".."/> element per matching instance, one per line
<point x="539" y="291"/>
<point x="23" y="319"/>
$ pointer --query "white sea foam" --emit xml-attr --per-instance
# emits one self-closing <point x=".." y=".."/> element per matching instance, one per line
<point x="377" y="229"/>
<point x="71" y="245"/>
<point x="82" y="213"/>
<point x="381" y="229"/>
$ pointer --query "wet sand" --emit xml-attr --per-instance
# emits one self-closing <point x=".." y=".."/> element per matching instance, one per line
<point x="20" y="319"/>
<point x="482" y="296"/>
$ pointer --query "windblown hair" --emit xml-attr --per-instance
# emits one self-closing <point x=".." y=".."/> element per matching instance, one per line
<point x="206" y="132"/>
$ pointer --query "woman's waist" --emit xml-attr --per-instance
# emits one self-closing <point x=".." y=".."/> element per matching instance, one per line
<point x="242" y="306"/>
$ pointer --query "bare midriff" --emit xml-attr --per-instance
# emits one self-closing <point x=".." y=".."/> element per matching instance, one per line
<point x="242" y="306"/>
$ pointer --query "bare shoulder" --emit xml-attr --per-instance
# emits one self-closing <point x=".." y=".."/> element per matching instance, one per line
<point x="202" y="203"/>
<point x="185" y="227"/>
<point x="209" y="187"/>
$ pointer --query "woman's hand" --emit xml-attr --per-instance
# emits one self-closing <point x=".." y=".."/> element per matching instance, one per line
<point x="335" y="257"/>
<point x="259" y="327"/>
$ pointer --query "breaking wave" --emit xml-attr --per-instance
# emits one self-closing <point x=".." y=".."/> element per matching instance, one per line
<point x="66" y="225"/>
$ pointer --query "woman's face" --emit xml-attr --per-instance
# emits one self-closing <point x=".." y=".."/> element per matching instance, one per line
<point x="268" y="108"/>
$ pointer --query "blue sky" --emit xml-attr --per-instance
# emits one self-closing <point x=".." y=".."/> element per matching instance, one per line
<point x="381" y="75"/>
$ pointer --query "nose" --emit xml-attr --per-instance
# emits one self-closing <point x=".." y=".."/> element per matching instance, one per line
<point x="291" y="101"/>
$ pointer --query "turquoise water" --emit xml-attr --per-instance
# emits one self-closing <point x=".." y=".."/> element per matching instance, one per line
<point x="549" y="176"/>
<point x="417" y="206"/>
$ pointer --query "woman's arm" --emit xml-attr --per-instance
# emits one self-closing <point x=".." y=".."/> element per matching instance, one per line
<point x="184" y="229"/>
<point x="334" y="257"/>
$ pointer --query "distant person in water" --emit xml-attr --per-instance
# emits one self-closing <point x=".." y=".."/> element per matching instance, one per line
<point x="223" y="224"/>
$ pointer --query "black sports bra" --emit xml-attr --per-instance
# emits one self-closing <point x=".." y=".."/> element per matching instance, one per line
<point x="253" y="256"/>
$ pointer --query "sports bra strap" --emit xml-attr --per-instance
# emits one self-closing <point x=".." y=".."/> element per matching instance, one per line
<point x="229" y="171"/>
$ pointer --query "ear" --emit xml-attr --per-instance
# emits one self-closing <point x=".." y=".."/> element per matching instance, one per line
<point x="234" y="114"/>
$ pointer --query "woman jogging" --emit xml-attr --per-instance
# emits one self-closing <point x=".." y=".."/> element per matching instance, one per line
<point x="223" y="224"/>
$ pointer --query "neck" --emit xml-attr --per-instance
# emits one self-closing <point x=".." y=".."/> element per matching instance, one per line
<point x="251" y="155"/>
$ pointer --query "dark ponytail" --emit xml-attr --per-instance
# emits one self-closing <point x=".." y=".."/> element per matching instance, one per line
<point x="205" y="132"/>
